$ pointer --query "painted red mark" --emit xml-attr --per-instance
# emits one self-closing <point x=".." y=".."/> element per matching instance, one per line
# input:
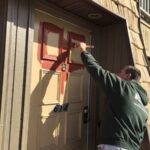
<point x="55" y="63"/>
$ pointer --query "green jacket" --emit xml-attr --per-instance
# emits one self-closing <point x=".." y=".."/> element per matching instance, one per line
<point x="124" y="121"/>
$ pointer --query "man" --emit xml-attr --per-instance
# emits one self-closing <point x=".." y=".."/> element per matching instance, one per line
<point x="124" y="121"/>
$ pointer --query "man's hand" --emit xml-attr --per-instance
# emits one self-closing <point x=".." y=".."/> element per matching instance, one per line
<point x="82" y="46"/>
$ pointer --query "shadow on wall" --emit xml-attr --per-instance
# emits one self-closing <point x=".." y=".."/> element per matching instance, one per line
<point x="47" y="129"/>
<point x="45" y="124"/>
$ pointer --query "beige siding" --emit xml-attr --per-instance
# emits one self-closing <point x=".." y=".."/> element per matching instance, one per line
<point x="146" y="36"/>
<point x="115" y="55"/>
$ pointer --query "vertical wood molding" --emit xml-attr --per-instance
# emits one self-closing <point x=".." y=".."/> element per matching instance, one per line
<point x="18" y="41"/>
<point x="8" y="75"/>
<point x="3" y="13"/>
<point x="20" y="77"/>
<point x="3" y="9"/>
<point x="27" y="78"/>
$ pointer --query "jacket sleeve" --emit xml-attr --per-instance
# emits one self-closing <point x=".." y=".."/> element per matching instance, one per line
<point x="110" y="81"/>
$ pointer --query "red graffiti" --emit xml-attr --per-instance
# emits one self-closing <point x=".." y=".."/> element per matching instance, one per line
<point x="60" y="63"/>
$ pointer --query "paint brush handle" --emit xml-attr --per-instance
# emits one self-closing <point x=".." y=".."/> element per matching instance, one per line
<point x="89" y="46"/>
<point x="75" y="45"/>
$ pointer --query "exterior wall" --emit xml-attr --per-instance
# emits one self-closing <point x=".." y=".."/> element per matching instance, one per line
<point x="16" y="60"/>
<point x="146" y="36"/>
<point x="3" y="7"/>
<point x="129" y="10"/>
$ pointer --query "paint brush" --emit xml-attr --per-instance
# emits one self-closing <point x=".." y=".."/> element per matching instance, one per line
<point x="76" y="45"/>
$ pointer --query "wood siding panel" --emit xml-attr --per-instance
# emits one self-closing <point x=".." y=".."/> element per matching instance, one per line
<point x="115" y="51"/>
<point x="19" y="74"/>
<point x="15" y="73"/>
<point x="8" y="79"/>
<point x="3" y="11"/>
<point x="113" y="54"/>
<point x="134" y="7"/>
<point x="133" y="21"/>
<point x="125" y="3"/>
<point x="144" y="73"/>
<point x="2" y="40"/>
<point x="115" y="7"/>
<point x="146" y="37"/>
<point x="139" y="55"/>
<point x="135" y="39"/>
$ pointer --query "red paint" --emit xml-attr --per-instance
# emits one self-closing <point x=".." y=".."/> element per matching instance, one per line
<point x="48" y="28"/>
<point x="64" y="76"/>
<point x="54" y="63"/>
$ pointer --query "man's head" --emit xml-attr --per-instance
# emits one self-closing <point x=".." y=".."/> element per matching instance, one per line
<point x="130" y="73"/>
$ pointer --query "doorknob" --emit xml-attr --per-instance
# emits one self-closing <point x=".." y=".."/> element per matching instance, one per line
<point x="86" y="118"/>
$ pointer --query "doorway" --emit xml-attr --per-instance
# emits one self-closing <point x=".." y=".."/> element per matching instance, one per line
<point x="59" y="86"/>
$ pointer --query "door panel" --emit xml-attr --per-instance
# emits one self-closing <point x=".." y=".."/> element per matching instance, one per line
<point x="51" y="40"/>
<point x="52" y="91"/>
<point x="59" y="86"/>
<point x="75" y="81"/>
<point x="74" y="55"/>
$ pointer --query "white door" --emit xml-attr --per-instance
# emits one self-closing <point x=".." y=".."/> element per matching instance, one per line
<point x="59" y="86"/>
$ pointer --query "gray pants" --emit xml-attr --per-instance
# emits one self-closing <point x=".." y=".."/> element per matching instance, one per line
<point x="108" y="147"/>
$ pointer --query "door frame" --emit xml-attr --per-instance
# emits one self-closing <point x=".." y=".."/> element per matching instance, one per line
<point x="73" y="19"/>
<point x="18" y="42"/>
<point x="94" y="93"/>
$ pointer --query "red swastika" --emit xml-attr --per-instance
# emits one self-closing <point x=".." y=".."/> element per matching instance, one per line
<point x="60" y="63"/>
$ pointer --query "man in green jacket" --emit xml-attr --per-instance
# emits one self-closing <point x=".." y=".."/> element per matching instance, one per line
<point x="124" y="121"/>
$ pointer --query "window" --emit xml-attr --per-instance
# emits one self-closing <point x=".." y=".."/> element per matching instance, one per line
<point x="145" y="5"/>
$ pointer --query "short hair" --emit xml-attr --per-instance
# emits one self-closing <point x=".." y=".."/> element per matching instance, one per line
<point x="135" y="73"/>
